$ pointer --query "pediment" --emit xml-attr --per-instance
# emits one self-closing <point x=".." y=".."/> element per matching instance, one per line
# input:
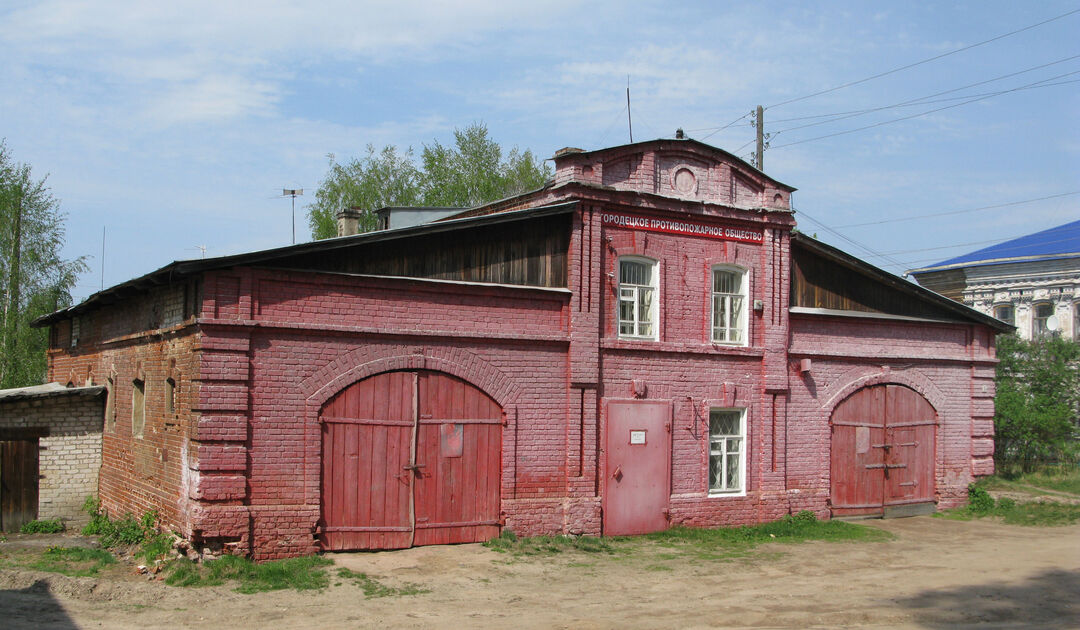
<point x="681" y="169"/>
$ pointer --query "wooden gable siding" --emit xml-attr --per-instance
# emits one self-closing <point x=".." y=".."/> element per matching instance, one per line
<point x="529" y="253"/>
<point x="817" y="282"/>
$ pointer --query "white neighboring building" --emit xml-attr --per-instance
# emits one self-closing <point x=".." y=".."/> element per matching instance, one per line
<point x="1031" y="282"/>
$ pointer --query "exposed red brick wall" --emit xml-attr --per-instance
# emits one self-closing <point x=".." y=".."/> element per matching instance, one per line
<point x="148" y="338"/>
<point x="242" y="465"/>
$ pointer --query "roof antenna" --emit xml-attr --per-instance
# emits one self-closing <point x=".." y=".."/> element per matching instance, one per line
<point x="629" y="121"/>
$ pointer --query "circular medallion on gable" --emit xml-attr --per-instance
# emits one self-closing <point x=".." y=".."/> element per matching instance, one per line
<point x="684" y="181"/>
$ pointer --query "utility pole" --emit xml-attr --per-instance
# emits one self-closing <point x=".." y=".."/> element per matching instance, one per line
<point x="759" y="155"/>
<point x="629" y="120"/>
<point x="294" y="193"/>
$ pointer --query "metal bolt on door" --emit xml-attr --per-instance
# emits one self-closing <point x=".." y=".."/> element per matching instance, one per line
<point x="883" y="452"/>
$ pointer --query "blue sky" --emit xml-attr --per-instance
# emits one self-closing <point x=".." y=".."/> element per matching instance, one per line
<point x="176" y="125"/>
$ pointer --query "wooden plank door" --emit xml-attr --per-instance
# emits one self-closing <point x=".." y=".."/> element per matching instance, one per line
<point x="883" y="455"/>
<point x="910" y="459"/>
<point x="458" y="462"/>
<point x="410" y="458"/>
<point x="18" y="483"/>
<point x="637" y="478"/>
<point x="858" y="454"/>
<point x="367" y="437"/>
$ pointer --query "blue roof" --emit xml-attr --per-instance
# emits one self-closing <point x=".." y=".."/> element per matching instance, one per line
<point x="1062" y="241"/>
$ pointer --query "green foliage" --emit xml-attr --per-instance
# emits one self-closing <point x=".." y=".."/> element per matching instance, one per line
<point x="548" y="545"/>
<point x="716" y="543"/>
<point x="1038" y="395"/>
<point x="300" y="574"/>
<point x="34" y="279"/>
<point x="127" y="531"/>
<point x="472" y="172"/>
<point x="979" y="501"/>
<point x="73" y="561"/>
<point x="1033" y="513"/>
<point x="373" y="588"/>
<point x="47" y="526"/>
<point x="379" y="179"/>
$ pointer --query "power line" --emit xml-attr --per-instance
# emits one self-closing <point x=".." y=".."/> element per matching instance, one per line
<point x="925" y="99"/>
<point x="929" y="111"/>
<point x="928" y="60"/>
<point x="952" y="212"/>
<point x="719" y="129"/>
<point x="990" y="242"/>
<point x="849" y="240"/>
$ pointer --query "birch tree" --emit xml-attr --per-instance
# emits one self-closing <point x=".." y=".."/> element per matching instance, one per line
<point x="34" y="279"/>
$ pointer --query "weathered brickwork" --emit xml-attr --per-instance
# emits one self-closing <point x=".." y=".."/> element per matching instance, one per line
<point x="69" y="454"/>
<point x="261" y="351"/>
<point x="138" y="474"/>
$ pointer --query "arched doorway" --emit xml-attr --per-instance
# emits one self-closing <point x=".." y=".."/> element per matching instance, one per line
<point x="409" y="458"/>
<point x="883" y="453"/>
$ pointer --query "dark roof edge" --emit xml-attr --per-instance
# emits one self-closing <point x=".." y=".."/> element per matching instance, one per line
<point x="846" y="259"/>
<point x="189" y="267"/>
<point x="997" y="261"/>
<point x="36" y="392"/>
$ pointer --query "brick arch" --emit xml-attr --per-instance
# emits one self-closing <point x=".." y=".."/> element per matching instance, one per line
<point x="856" y="379"/>
<point x="363" y="362"/>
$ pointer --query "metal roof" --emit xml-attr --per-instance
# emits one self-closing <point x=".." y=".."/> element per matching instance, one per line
<point x="184" y="268"/>
<point x="1062" y="241"/>
<point x="896" y="282"/>
<point x="48" y="390"/>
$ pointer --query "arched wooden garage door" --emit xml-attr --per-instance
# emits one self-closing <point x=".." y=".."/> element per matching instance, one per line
<point x="410" y="458"/>
<point x="883" y="453"/>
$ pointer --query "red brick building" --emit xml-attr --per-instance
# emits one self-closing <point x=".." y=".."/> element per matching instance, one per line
<point x="643" y="342"/>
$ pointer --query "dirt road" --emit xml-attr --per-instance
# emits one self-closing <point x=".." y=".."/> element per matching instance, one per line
<point x="936" y="573"/>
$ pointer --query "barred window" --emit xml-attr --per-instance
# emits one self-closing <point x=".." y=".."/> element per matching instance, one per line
<point x="727" y="459"/>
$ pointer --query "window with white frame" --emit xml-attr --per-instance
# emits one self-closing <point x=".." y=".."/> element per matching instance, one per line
<point x="1041" y="315"/>
<point x="1006" y="313"/>
<point x="637" y="298"/>
<point x="727" y="457"/>
<point x="729" y="305"/>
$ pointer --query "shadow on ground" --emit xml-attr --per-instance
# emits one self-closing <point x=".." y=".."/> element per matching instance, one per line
<point x="33" y="607"/>
<point x="1050" y="599"/>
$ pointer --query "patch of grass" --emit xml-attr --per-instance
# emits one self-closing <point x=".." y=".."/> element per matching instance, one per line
<point x="1033" y="513"/>
<point x="706" y="544"/>
<point x="73" y="561"/>
<point x="1061" y="478"/>
<point x="800" y="527"/>
<point x="372" y="587"/>
<point x="508" y="542"/>
<point x="43" y="526"/>
<point x="301" y="574"/>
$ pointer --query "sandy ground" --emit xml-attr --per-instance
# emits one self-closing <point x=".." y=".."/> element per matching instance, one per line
<point x="936" y="573"/>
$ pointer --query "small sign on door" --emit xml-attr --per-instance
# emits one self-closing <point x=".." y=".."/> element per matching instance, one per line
<point x="637" y="436"/>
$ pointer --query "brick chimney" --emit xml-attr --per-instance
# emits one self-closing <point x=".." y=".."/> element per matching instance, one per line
<point x="348" y="221"/>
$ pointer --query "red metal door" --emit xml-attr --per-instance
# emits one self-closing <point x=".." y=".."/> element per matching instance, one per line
<point x="882" y="452"/>
<point x="458" y="462"/>
<point x="637" y="475"/>
<point x="410" y="458"/>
